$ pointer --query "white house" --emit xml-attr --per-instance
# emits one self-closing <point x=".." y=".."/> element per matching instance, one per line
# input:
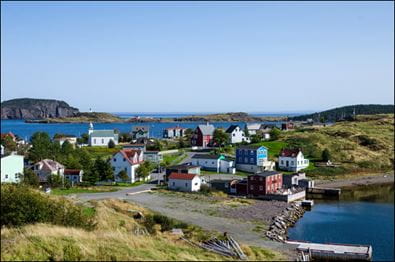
<point x="2" y="150"/>
<point x="73" y="175"/>
<point x="292" y="160"/>
<point x="11" y="168"/>
<point x="101" y="137"/>
<point x="46" y="168"/>
<point x="236" y="135"/>
<point x="217" y="163"/>
<point x="72" y="140"/>
<point x="153" y="156"/>
<point x="128" y="160"/>
<point x="172" y="132"/>
<point x="184" y="182"/>
<point x="253" y="128"/>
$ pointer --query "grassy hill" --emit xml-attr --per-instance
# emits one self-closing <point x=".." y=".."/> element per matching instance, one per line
<point x="113" y="238"/>
<point x="347" y="111"/>
<point x="364" y="145"/>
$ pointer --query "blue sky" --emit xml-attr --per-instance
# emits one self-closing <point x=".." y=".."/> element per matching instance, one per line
<point x="199" y="57"/>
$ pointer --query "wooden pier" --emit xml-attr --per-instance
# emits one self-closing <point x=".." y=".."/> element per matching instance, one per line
<point x="340" y="252"/>
<point x="324" y="191"/>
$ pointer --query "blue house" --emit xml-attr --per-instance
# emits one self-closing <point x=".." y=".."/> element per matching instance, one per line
<point x="250" y="158"/>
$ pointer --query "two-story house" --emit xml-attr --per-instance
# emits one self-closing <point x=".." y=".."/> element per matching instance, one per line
<point x="236" y="135"/>
<point x="203" y="136"/>
<point x="47" y="167"/>
<point x="173" y="132"/>
<point x="140" y="132"/>
<point x="127" y="160"/>
<point x="251" y="158"/>
<point x="264" y="183"/>
<point x="292" y="160"/>
<point x="11" y="168"/>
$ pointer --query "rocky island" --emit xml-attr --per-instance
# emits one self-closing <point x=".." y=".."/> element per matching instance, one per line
<point x="29" y="108"/>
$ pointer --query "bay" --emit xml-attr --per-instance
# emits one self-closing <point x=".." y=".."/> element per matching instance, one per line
<point x="363" y="215"/>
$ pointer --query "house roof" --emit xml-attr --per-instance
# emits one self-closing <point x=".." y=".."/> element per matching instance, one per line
<point x="153" y="152"/>
<point x="129" y="154"/>
<point x="253" y="126"/>
<point x="50" y="165"/>
<point x="207" y="130"/>
<point x="182" y="176"/>
<point x="175" y="127"/>
<point x="103" y="133"/>
<point x="8" y="134"/>
<point x="267" y="173"/>
<point x="231" y="128"/>
<point x="290" y="152"/>
<point x="206" y="156"/>
<point x="254" y="147"/>
<point x="72" y="171"/>
<point x="182" y="166"/>
<point x="140" y="128"/>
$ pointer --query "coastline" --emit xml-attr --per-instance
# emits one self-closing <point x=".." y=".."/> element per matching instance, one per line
<point x="368" y="179"/>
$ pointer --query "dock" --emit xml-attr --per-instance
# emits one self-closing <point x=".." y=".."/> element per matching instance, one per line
<point x="324" y="191"/>
<point x="339" y="252"/>
<point x="307" y="203"/>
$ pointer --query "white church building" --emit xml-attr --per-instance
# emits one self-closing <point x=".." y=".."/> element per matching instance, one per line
<point x="101" y="137"/>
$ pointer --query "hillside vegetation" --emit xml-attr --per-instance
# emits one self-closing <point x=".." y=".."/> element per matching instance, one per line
<point x="115" y="236"/>
<point x="347" y="111"/>
<point x="364" y="145"/>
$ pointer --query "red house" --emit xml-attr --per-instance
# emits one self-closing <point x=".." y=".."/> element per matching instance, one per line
<point x="264" y="183"/>
<point x="203" y="136"/>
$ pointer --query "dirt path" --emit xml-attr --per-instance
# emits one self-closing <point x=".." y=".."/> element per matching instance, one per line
<point x="198" y="213"/>
<point x="361" y="180"/>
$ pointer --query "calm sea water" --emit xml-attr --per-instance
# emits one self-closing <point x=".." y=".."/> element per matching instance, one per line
<point x="25" y="130"/>
<point x="362" y="216"/>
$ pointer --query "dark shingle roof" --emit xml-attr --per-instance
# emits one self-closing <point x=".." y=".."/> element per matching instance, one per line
<point x="250" y="147"/>
<point x="205" y="156"/>
<point x="231" y="128"/>
<point x="267" y="173"/>
<point x="182" y="166"/>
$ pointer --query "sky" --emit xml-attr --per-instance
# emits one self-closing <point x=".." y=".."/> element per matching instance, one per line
<point x="199" y="57"/>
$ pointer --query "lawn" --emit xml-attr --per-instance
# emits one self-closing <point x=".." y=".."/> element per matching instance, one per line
<point x="77" y="190"/>
<point x="173" y="159"/>
<point x="101" y="151"/>
<point x="274" y="147"/>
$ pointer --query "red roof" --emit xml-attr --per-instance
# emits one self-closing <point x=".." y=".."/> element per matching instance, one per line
<point x="129" y="154"/>
<point x="290" y="152"/>
<point x="72" y="171"/>
<point x="8" y="134"/>
<point x="182" y="176"/>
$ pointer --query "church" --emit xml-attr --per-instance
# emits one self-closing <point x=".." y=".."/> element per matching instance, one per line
<point x="101" y="137"/>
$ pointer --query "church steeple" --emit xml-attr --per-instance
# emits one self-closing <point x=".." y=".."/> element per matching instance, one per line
<point x="90" y="130"/>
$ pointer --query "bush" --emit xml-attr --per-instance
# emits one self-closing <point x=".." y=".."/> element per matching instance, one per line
<point x="166" y="223"/>
<point x="22" y="205"/>
<point x="111" y="144"/>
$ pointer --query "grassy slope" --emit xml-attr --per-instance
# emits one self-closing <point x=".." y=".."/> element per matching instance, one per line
<point x="112" y="240"/>
<point x="364" y="145"/>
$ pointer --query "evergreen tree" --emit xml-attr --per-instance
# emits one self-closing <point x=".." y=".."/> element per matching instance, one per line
<point x="41" y="146"/>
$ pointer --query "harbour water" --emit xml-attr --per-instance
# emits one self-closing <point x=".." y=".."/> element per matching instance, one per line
<point x="363" y="215"/>
<point x="25" y="130"/>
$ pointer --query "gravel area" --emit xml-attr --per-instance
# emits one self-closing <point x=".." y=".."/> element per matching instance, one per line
<point x="260" y="211"/>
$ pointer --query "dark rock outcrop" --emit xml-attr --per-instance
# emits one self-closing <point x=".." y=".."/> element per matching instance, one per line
<point x="29" y="108"/>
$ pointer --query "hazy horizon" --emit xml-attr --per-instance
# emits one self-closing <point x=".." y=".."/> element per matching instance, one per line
<point x="264" y="57"/>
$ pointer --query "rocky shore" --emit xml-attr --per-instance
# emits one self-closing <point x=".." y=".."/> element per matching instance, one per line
<point x="289" y="216"/>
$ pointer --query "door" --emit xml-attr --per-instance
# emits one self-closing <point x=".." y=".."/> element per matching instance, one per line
<point x="287" y="163"/>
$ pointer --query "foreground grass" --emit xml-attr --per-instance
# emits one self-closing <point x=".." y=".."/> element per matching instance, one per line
<point x="113" y="239"/>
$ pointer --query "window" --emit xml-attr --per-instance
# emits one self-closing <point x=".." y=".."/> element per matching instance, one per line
<point x="251" y="152"/>
<point x="6" y="176"/>
<point x="260" y="179"/>
<point x="213" y="162"/>
<point x="94" y="141"/>
<point x="234" y="134"/>
<point x="126" y="169"/>
<point x="260" y="188"/>
<point x="252" y="187"/>
<point x="251" y="160"/>
<point x="197" y="162"/>
<point x="251" y="178"/>
<point x="282" y="162"/>
<point x="174" y="183"/>
<point x="196" y="184"/>
<point x="305" y="161"/>
<point x="114" y="159"/>
<point x="102" y="141"/>
<point x="246" y="160"/>
<point x="186" y="184"/>
<point x="124" y="159"/>
<point x="292" y="162"/>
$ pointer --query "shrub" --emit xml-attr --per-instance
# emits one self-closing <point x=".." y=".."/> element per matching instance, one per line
<point x="111" y="144"/>
<point x="22" y="205"/>
<point x="326" y="156"/>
